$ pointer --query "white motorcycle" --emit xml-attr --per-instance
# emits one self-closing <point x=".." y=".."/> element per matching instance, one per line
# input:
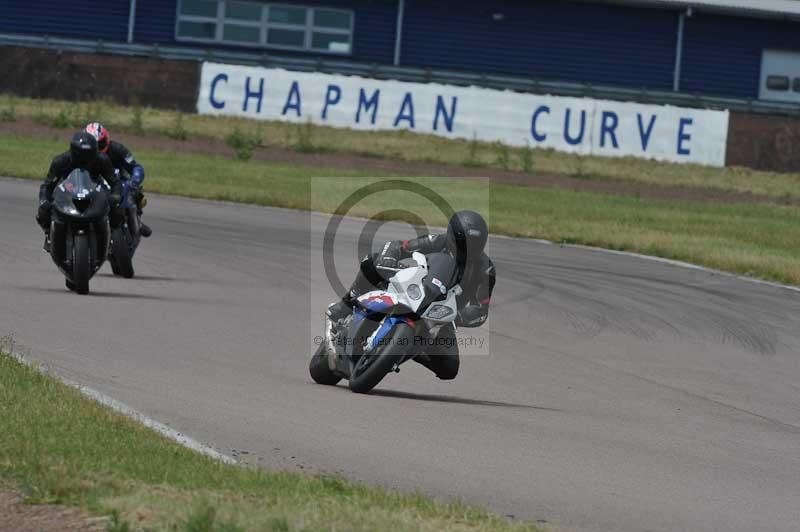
<point x="389" y="327"/>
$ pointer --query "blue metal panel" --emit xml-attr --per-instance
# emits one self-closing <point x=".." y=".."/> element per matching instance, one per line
<point x="373" y="33"/>
<point x="722" y="55"/>
<point x="107" y="20"/>
<point x="155" y="21"/>
<point x="547" y="39"/>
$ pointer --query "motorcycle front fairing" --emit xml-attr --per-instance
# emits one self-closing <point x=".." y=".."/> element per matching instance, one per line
<point x="79" y="205"/>
<point x="379" y="311"/>
<point x="79" y="198"/>
<point x="413" y="293"/>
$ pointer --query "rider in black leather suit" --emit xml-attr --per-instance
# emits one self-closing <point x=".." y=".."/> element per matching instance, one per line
<point x="465" y="240"/>
<point x="82" y="153"/>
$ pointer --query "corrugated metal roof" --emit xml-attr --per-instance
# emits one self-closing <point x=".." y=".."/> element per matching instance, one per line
<point x="755" y="8"/>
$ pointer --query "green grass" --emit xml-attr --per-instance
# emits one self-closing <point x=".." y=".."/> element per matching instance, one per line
<point x="404" y="146"/>
<point x="755" y="239"/>
<point x="59" y="447"/>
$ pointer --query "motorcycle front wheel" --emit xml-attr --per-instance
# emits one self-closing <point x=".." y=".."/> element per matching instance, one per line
<point x="372" y="367"/>
<point x="81" y="263"/>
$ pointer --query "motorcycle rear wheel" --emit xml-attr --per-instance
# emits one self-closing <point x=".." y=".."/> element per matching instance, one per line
<point x="122" y="262"/>
<point x="319" y="369"/>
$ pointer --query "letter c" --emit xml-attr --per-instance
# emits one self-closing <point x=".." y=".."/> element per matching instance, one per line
<point x="214" y="102"/>
<point x="539" y="137"/>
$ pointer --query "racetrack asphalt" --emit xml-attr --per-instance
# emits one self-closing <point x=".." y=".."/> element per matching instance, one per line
<point x="619" y="393"/>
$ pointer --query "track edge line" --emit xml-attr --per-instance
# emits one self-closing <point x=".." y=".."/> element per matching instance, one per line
<point x="128" y="411"/>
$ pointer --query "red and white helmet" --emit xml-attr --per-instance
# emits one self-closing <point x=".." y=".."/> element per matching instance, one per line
<point x="98" y="131"/>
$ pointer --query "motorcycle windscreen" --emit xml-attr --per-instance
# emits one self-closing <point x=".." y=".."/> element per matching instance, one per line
<point x="79" y="196"/>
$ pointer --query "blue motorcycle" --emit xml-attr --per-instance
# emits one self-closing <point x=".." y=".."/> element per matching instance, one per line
<point x="125" y="239"/>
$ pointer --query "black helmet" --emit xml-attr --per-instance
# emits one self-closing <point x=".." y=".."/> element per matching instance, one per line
<point x="466" y="235"/>
<point x="83" y="148"/>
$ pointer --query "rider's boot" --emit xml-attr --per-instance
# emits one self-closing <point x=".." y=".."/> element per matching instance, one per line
<point x="344" y="306"/>
<point x="141" y="202"/>
<point x="47" y="244"/>
<point x="43" y="219"/>
<point x="339" y="310"/>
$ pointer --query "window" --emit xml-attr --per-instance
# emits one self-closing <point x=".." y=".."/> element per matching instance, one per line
<point x="778" y="83"/>
<point x="247" y="23"/>
<point x="796" y="85"/>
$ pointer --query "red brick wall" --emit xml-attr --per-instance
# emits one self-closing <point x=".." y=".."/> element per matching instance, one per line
<point x="765" y="142"/>
<point x="159" y="83"/>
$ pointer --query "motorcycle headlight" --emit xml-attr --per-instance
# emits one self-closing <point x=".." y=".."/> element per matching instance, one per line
<point x="414" y="292"/>
<point x="437" y="312"/>
<point x="81" y="204"/>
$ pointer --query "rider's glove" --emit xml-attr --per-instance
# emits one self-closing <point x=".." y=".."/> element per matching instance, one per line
<point x="390" y="254"/>
<point x="137" y="176"/>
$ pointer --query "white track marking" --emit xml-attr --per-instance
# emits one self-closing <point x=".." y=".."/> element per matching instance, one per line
<point x="127" y="411"/>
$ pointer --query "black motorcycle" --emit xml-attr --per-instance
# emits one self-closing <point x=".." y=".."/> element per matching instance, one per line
<point x="79" y="231"/>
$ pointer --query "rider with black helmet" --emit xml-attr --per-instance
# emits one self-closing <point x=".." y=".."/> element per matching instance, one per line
<point x="465" y="240"/>
<point x="83" y="154"/>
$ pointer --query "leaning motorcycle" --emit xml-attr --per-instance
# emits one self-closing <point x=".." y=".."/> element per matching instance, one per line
<point x="389" y="327"/>
<point x="125" y="238"/>
<point x="79" y="231"/>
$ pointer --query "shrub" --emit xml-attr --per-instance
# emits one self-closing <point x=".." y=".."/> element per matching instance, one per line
<point x="526" y="160"/>
<point x="9" y="114"/>
<point x="243" y="143"/>
<point x="137" y="124"/>
<point x="502" y="159"/>
<point x="305" y="138"/>
<point x="472" y="152"/>
<point x="177" y="131"/>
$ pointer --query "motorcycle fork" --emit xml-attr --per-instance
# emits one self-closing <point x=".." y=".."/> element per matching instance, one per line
<point x="58" y="244"/>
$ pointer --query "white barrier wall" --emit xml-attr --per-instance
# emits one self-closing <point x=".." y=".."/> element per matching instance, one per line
<point x="578" y="125"/>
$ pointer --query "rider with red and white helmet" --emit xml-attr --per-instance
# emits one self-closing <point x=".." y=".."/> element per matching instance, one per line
<point x="123" y="161"/>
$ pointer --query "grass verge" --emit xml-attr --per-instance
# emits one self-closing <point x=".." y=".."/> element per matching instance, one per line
<point x="61" y="448"/>
<point x="753" y="239"/>
<point x="399" y="145"/>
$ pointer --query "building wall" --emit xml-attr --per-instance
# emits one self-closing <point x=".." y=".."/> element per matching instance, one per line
<point x="107" y="20"/>
<point x="722" y="54"/>
<point x="547" y="39"/>
<point x="592" y="43"/>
